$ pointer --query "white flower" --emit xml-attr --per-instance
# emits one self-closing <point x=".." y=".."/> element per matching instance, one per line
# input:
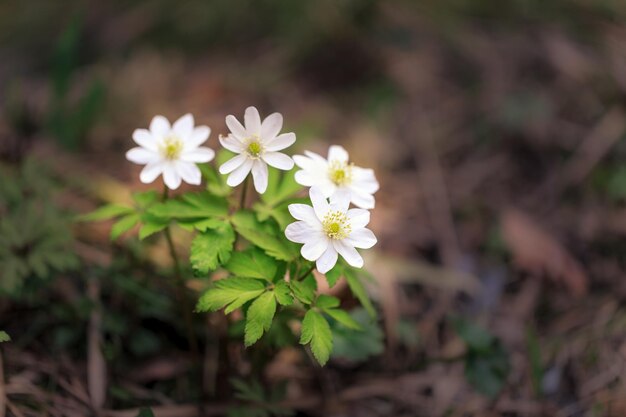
<point x="330" y="229"/>
<point x="337" y="174"/>
<point x="171" y="150"/>
<point x="257" y="145"/>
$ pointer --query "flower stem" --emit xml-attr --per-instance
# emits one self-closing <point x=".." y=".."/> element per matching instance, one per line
<point x="307" y="272"/>
<point x="181" y="288"/>
<point x="244" y="192"/>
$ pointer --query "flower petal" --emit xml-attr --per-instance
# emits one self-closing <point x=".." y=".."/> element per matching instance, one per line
<point x="143" y="138"/>
<point x="358" y="218"/>
<point x="189" y="172"/>
<point x="365" y="180"/>
<point x="235" y="127"/>
<point x="340" y="200"/>
<point x="305" y="213"/>
<point x="328" y="259"/>
<point x="201" y="154"/>
<point x="362" y="199"/>
<point x="320" y="205"/>
<point x="183" y="127"/>
<point x="198" y="136"/>
<point x="299" y="232"/>
<point x="160" y="127"/>
<point x="231" y="143"/>
<point x="303" y="177"/>
<point x="232" y="164"/>
<point x="337" y="153"/>
<point x="361" y="238"/>
<point x="142" y="156"/>
<point x="271" y="126"/>
<point x="259" y="175"/>
<point x="281" y="142"/>
<point x="171" y="177"/>
<point x="238" y="175"/>
<point x="150" y="172"/>
<point x="252" y="121"/>
<point x="278" y="160"/>
<point x="314" y="248"/>
<point x="348" y="253"/>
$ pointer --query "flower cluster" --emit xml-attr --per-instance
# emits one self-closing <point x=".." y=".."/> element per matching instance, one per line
<point x="326" y="229"/>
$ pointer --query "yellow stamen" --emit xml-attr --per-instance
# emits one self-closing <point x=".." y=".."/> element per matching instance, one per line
<point x="171" y="148"/>
<point x="254" y="148"/>
<point x="336" y="225"/>
<point x="340" y="172"/>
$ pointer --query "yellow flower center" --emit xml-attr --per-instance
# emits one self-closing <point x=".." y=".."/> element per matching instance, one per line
<point x="336" y="225"/>
<point x="171" y="147"/>
<point x="254" y="148"/>
<point x="340" y="173"/>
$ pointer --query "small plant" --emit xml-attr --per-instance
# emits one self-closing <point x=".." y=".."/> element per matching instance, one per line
<point x="257" y="244"/>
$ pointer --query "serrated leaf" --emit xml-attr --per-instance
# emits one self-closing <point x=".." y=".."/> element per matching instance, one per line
<point x="343" y="317"/>
<point x="304" y="292"/>
<point x="359" y="291"/>
<point x="146" y="198"/>
<point x="326" y="301"/>
<point x="248" y="227"/>
<point x="231" y="293"/>
<point x="106" y="212"/>
<point x="334" y="274"/>
<point x="253" y="263"/>
<point x="259" y="317"/>
<point x="211" y="249"/>
<point x="201" y="225"/>
<point x="283" y="294"/>
<point x="4" y="336"/>
<point x="191" y="206"/>
<point x="151" y="226"/>
<point x="316" y="331"/>
<point x="123" y="225"/>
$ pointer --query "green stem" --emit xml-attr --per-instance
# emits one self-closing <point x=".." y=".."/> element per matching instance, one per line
<point x="307" y="272"/>
<point x="244" y="192"/>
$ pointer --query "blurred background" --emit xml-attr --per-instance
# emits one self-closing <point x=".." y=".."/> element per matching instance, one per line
<point x="496" y="131"/>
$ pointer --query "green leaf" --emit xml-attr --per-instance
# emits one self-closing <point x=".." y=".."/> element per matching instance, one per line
<point x="334" y="274"/>
<point x="283" y="294"/>
<point x="487" y="371"/>
<point x="191" y="205"/>
<point x="230" y="292"/>
<point x="253" y="263"/>
<point x="259" y="317"/>
<point x="124" y="225"/>
<point x="316" y="331"/>
<point x="326" y="301"/>
<point x="359" y="291"/>
<point x="145" y="412"/>
<point x="357" y="345"/>
<point x="303" y="291"/>
<point x="4" y="336"/>
<point x="151" y="225"/>
<point x="146" y="198"/>
<point x="106" y="212"/>
<point x="201" y="225"/>
<point x="247" y="226"/>
<point x="343" y="317"/>
<point x="211" y="249"/>
<point x="280" y="186"/>
<point x="476" y="337"/>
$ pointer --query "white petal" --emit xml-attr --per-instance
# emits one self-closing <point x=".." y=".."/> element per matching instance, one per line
<point x="348" y="253"/>
<point x="259" y="175"/>
<point x="315" y="157"/>
<point x="281" y="142"/>
<point x="305" y="178"/>
<point x="278" y="160"/>
<point x="305" y="213"/>
<point x="320" y="205"/>
<point x="231" y="143"/>
<point x="232" y="164"/>
<point x="340" y="200"/>
<point x="142" y="156"/>
<point x="328" y="259"/>
<point x="237" y="176"/>
<point x="271" y="126"/>
<point x="198" y="136"/>
<point x="358" y="218"/>
<point x="183" y="127"/>
<point x="150" y="172"/>
<point x="235" y="127"/>
<point x="365" y="180"/>
<point x="252" y="121"/>
<point x="314" y="248"/>
<point x="337" y="153"/>
<point x="363" y="200"/>
<point x="143" y="138"/>
<point x="159" y="127"/>
<point x="361" y="238"/>
<point x="171" y="178"/>
<point x="189" y="172"/>
<point x="199" y="155"/>
<point x="300" y="232"/>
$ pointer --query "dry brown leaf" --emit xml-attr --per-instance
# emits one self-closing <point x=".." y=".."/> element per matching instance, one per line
<point x="538" y="252"/>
